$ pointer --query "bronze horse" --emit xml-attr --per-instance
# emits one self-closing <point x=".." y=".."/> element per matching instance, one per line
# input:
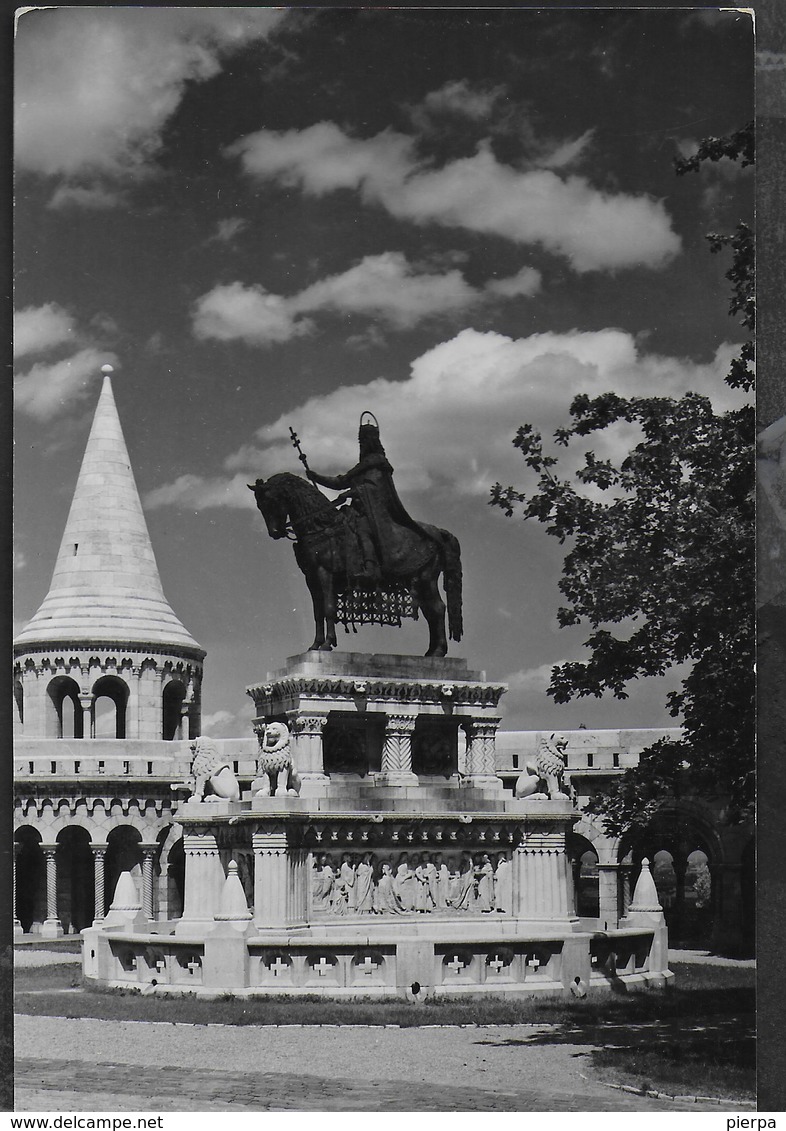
<point x="323" y="551"/>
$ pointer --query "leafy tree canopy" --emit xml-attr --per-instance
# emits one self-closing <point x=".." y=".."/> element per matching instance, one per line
<point x="660" y="562"/>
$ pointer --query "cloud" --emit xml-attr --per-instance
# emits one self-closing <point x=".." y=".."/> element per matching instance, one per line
<point x="567" y="216"/>
<point x="389" y="287"/>
<point x="448" y="427"/>
<point x="96" y="86"/>
<point x="226" y="230"/>
<point x="221" y="724"/>
<point x="48" y="388"/>
<point x="232" y="311"/>
<point x="526" y="282"/>
<point x="567" y="152"/>
<point x="385" y="287"/>
<point x="79" y="196"/>
<point x="192" y="492"/>
<point x="457" y="99"/>
<point x="322" y="158"/>
<point x="38" y="329"/>
<point x="531" y="679"/>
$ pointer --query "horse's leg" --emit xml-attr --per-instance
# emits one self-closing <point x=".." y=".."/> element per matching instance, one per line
<point x="433" y="608"/>
<point x="317" y="600"/>
<point x="329" y="609"/>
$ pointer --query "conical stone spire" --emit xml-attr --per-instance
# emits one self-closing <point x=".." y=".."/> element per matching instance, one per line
<point x="105" y="585"/>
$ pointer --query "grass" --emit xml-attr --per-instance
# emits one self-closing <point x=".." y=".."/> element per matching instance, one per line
<point x="694" y="1038"/>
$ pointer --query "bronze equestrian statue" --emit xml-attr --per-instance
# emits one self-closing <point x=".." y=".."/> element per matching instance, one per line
<point x="364" y="558"/>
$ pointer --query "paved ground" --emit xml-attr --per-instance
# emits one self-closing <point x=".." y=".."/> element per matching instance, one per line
<point x="90" y="1065"/>
<point x="85" y="1065"/>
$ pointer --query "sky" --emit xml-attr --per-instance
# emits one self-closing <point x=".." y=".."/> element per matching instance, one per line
<point x="458" y="219"/>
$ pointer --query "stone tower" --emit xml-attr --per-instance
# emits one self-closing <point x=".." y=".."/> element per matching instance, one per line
<point x="105" y="655"/>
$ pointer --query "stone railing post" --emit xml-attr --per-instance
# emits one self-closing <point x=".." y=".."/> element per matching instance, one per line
<point x="609" y="895"/>
<point x="204" y="881"/>
<point x="480" y="765"/>
<point x="397" y="750"/>
<point x="51" y="928"/>
<point x="280" y="880"/>
<point x="542" y="887"/>
<point x="148" y="857"/>
<point x="307" y="753"/>
<point x="99" y="856"/>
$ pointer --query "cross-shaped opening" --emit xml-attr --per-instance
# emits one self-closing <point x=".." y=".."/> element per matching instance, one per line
<point x="368" y="966"/>
<point x="278" y="967"/>
<point x="323" y="966"/>
<point x="456" y="965"/>
<point x="497" y="963"/>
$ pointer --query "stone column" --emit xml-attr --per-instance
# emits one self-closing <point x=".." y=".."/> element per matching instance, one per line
<point x="280" y="880"/>
<point x="307" y="754"/>
<point x="397" y="750"/>
<point x="204" y="882"/>
<point x="184" y="729"/>
<point x="86" y="703"/>
<point x="52" y="927"/>
<point x="480" y="766"/>
<point x="608" y="892"/>
<point x="17" y="924"/>
<point x="625" y="870"/>
<point x="541" y="876"/>
<point x="99" y="854"/>
<point x="148" y="854"/>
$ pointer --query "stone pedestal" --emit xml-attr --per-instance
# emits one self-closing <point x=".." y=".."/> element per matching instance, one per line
<point x="542" y="878"/>
<point x="387" y="694"/>
<point x="204" y="880"/>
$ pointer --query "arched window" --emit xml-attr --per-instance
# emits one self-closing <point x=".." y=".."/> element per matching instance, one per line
<point x="171" y="710"/>
<point x="64" y="717"/>
<point x="19" y="700"/>
<point x="110" y="697"/>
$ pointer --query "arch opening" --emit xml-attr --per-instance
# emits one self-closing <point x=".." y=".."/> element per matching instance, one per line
<point x="123" y="854"/>
<point x="30" y="880"/>
<point x="75" y="879"/>
<point x="64" y="716"/>
<point x="110" y="699"/>
<point x="172" y="722"/>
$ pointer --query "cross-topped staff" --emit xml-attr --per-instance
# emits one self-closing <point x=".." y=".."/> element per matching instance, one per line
<point x="301" y="455"/>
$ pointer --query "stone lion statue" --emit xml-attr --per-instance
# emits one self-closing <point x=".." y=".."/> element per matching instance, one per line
<point x="544" y="778"/>
<point x="275" y="770"/>
<point x="212" y="777"/>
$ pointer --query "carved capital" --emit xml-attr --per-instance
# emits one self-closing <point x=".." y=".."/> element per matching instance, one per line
<point x="310" y="725"/>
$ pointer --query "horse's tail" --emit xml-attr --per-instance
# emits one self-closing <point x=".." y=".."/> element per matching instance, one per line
<point x="451" y="564"/>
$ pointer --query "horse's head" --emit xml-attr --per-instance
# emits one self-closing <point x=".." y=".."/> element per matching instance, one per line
<point x="272" y="507"/>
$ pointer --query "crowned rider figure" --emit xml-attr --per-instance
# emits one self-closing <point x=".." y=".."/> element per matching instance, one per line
<point x="375" y="506"/>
